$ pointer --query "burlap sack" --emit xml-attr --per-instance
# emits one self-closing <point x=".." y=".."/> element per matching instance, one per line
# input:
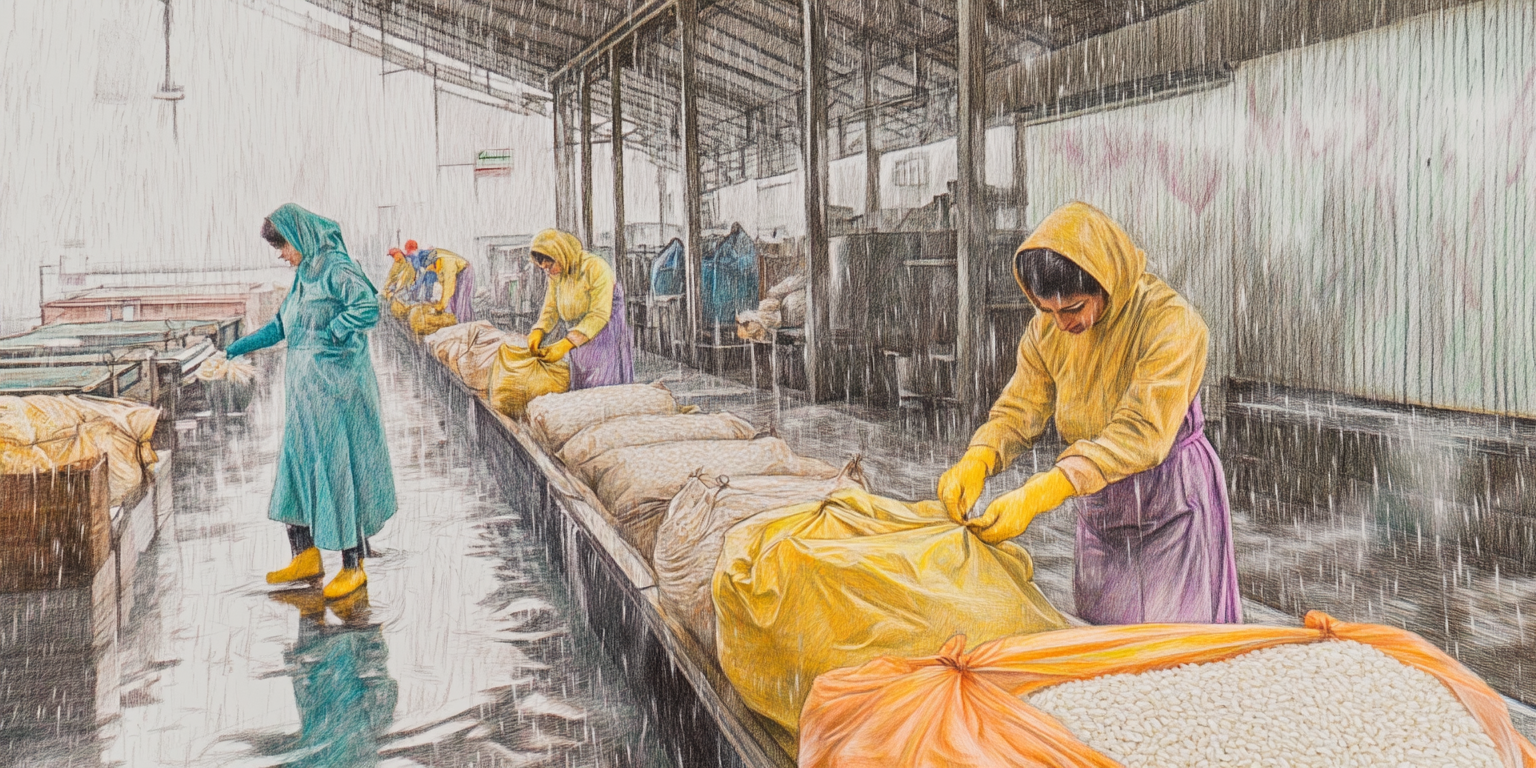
<point x="636" y="484"/>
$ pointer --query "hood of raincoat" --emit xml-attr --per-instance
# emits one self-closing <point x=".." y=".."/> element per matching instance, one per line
<point x="563" y="247"/>
<point x="1087" y="237"/>
<point x="318" y="240"/>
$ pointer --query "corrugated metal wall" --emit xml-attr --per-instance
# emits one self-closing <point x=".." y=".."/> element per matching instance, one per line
<point x="1355" y="216"/>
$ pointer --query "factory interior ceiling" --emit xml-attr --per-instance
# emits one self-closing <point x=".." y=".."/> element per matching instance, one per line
<point x="749" y="63"/>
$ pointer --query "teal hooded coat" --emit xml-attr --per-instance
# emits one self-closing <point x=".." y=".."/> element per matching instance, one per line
<point x="333" y="476"/>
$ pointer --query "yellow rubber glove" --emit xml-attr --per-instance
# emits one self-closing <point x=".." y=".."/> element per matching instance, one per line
<point x="557" y="351"/>
<point x="1011" y="514"/>
<point x="535" y="337"/>
<point x="962" y="485"/>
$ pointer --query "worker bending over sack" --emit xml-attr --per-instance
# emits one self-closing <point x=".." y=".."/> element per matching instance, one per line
<point x="401" y="274"/>
<point x="457" y="279"/>
<point x="1116" y="356"/>
<point x="584" y="297"/>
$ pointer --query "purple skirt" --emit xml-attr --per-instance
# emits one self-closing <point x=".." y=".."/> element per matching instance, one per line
<point x="609" y="358"/>
<point x="1157" y="546"/>
<point x="462" y="304"/>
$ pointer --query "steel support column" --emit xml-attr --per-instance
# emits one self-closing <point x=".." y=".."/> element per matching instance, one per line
<point x="616" y="120"/>
<point x="871" y="122"/>
<point x="1020" y="173"/>
<point x="971" y="225"/>
<point x="693" y="188"/>
<point x="818" y="326"/>
<point x="586" y="159"/>
<point x="563" y="213"/>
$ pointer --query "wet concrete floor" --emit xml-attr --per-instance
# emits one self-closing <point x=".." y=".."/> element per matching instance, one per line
<point x="463" y="651"/>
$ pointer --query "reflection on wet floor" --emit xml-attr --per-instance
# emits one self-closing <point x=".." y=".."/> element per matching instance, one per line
<point x="461" y="651"/>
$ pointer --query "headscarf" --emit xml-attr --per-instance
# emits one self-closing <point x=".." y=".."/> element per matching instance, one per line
<point x="396" y="252"/>
<point x="1087" y="237"/>
<point x="563" y="247"/>
<point x="318" y="240"/>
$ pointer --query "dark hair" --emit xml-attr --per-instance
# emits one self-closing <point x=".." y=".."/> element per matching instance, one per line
<point x="270" y="234"/>
<point x="540" y="258"/>
<point x="1050" y="275"/>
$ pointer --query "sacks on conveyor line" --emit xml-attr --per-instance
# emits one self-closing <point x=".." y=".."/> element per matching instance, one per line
<point x="969" y="707"/>
<point x="854" y="577"/>
<point x="400" y="309"/>
<point x="693" y="532"/>
<point x="470" y="350"/>
<point x="518" y="376"/>
<point x="43" y="432"/>
<point x="557" y="418"/>
<point x="632" y="431"/>
<point x="425" y="320"/>
<point x="636" y="484"/>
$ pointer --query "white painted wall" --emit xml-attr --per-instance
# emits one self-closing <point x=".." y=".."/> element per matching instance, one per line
<point x="272" y="114"/>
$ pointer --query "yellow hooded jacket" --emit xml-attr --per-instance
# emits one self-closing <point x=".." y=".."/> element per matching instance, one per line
<point x="582" y="293"/>
<point x="1120" y="390"/>
<point x="448" y="266"/>
<point x="401" y="275"/>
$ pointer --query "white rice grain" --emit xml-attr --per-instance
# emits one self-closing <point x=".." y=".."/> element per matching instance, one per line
<point x="1322" y="705"/>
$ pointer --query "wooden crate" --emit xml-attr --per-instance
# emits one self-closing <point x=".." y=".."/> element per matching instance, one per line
<point x="55" y="528"/>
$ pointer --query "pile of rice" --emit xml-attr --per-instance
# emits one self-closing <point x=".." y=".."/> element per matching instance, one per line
<point x="1330" y="705"/>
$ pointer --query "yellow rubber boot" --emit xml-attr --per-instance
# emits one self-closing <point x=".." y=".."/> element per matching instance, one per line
<point x="349" y="580"/>
<point x="306" y="565"/>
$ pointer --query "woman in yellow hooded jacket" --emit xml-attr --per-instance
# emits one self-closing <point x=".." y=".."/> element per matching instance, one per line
<point x="583" y="296"/>
<point x="1117" y="357"/>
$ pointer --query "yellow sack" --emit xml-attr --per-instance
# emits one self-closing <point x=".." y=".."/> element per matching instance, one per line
<point x="40" y="440"/>
<point x="426" y="320"/>
<point x="842" y="581"/>
<point x="130" y="428"/>
<point x="399" y="309"/>
<point x="518" y="376"/>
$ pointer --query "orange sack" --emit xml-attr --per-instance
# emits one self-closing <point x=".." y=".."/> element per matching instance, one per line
<point x="965" y="709"/>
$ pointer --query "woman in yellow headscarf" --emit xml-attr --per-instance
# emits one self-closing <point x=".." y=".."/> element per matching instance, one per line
<point x="1116" y="356"/>
<point x="584" y="296"/>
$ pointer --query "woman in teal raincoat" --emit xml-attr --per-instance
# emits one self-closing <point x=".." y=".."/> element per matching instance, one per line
<point x="334" y="486"/>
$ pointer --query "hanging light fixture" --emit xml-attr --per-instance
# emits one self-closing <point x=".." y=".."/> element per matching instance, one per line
<point x="169" y="91"/>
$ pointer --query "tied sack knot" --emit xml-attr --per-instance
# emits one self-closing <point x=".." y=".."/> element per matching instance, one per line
<point x="1322" y="622"/>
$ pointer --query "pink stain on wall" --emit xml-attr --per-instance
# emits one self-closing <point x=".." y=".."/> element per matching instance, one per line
<point x="1519" y="127"/>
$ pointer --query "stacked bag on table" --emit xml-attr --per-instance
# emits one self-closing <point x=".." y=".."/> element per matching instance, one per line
<point x="497" y="365"/>
<point x="44" y="433"/>
<point x="786" y="566"/>
<point x="470" y="350"/>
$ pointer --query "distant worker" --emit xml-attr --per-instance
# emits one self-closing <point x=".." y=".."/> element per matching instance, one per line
<point x="421" y="290"/>
<point x="584" y="296"/>
<point x="401" y="274"/>
<point x="334" y="487"/>
<point x="457" y="277"/>
<point x="1116" y="356"/>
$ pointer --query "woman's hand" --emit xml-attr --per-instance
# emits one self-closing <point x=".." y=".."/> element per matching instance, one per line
<point x="1011" y="514"/>
<point x="535" y="338"/>
<point x="962" y="485"/>
<point x="557" y="351"/>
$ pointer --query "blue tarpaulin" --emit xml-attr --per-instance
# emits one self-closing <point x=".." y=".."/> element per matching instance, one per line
<point x="728" y="281"/>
